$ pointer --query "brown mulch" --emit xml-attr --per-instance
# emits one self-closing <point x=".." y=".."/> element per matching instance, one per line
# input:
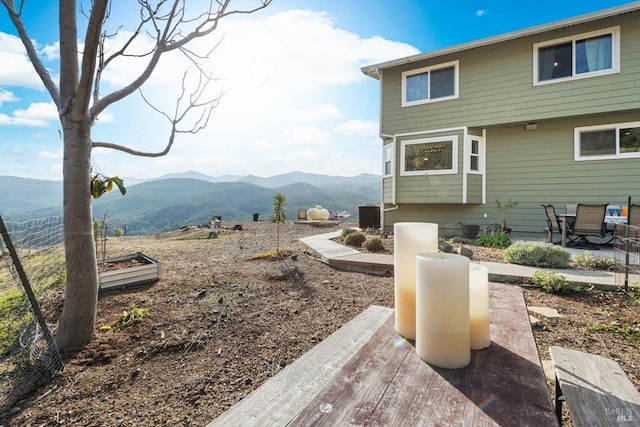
<point x="222" y="321"/>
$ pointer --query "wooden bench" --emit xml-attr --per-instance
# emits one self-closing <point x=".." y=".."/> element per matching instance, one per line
<point x="595" y="388"/>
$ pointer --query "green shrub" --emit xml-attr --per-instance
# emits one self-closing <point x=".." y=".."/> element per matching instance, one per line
<point x="444" y="246"/>
<point x="346" y="232"/>
<point x="355" y="239"/>
<point x="594" y="262"/>
<point x="374" y="244"/>
<point x="550" y="281"/>
<point x="537" y="254"/>
<point x="495" y="239"/>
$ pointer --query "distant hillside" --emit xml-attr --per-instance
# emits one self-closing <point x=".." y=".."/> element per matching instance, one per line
<point x="166" y="204"/>
<point x="19" y="195"/>
<point x="313" y="179"/>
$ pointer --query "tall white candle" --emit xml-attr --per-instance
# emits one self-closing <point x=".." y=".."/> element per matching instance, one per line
<point x="479" y="306"/>
<point x="409" y="239"/>
<point x="442" y="309"/>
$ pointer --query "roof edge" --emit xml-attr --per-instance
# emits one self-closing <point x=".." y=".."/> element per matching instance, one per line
<point x="372" y="70"/>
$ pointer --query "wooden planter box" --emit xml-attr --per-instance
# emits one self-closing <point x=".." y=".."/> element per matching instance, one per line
<point x="136" y="269"/>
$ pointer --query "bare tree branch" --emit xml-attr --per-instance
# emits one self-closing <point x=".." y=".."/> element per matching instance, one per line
<point x="89" y="58"/>
<point x="43" y="73"/>
<point x="180" y="114"/>
<point x="169" y="37"/>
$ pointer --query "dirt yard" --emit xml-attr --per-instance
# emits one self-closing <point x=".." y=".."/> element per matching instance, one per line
<point x="224" y="319"/>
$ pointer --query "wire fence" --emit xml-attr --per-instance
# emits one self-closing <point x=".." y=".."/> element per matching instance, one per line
<point x="31" y="264"/>
<point x="626" y="250"/>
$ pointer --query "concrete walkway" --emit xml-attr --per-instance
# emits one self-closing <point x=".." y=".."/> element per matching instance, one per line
<point x="346" y="258"/>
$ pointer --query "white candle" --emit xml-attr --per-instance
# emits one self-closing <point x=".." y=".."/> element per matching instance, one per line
<point x="409" y="239"/>
<point x="479" y="306"/>
<point x="442" y="309"/>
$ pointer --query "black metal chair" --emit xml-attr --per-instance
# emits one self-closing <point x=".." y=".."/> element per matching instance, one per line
<point x="553" y="222"/>
<point x="589" y="222"/>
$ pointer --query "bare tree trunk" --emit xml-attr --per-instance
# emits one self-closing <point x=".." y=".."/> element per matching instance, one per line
<point x="77" y="321"/>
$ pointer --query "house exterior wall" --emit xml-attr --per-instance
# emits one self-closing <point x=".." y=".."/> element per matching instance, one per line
<point x="497" y="95"/>
<point x="496" y="86"/>
<point x="534" y="167"/>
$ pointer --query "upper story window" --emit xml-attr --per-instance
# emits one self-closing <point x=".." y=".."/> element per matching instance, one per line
<point x="430" y="156"/>
<point x="585" y="55"/>
<point x="607" y="141"/>
<point x="430" y="84"/>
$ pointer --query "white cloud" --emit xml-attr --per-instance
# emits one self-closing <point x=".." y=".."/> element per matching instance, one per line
<point x="21" y="72"/>
<point x="304" y="136"/>
<point x="358" y="127"/>
<point x="6" y="96"/>
<point x="481" y="12"/>
<point x="51" y="51"/>
<point x="315" y="113"/>
<point x="47" y="154"/>
<point x="38" y="114"/>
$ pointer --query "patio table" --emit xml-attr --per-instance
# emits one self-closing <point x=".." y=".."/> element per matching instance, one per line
<point x="385" y="383"/>
<point x="565" y="218"/>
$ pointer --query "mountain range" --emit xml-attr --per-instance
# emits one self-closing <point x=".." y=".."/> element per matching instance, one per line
<point x="193" y="198"/>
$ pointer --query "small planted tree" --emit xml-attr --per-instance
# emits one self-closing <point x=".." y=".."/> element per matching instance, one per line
<point x="279" y="215"/>
<point x="504" y="207"/>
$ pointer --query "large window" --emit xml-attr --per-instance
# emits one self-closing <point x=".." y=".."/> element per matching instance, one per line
<point x="607" y="141"/>
<point x="430" y="156"/>
<point x="430" y="84"/>
<point x="585" y="55"/>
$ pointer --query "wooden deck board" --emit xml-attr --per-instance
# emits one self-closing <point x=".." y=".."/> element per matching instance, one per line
<point x="279" y="399"/>
<point x="596" y="389"/>
<point x="387" y="384"/>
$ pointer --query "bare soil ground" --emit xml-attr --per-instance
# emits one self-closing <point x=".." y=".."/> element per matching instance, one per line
<point x="223" y="320"/>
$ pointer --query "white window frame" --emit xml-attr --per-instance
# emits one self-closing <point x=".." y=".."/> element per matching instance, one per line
<point x="456" y="67"/>
<point x="480" y="155"/>
<point x="388" y="156"/>
<point x="616" y="127"/>
<point x="615" y="56"/>
<point x="454" y="156"/>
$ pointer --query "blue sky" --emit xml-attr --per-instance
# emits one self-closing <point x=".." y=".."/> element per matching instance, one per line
<point x="295" y="99"/>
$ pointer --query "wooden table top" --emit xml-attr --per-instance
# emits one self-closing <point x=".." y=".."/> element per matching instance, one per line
<point x="386" y="383"/>
<point x="383" y="382"/>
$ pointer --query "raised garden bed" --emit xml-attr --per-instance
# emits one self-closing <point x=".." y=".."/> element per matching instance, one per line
<point x="128" y="270"/>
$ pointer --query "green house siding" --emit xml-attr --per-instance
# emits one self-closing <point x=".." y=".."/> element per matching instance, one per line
<point x="387" y="188"/>
<point x="496" y="85"/>
<point x="535" y="167"/>
<point x="474" y="188"/>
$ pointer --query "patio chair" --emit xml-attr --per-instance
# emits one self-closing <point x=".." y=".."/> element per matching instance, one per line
<point x="589" y="222"/>
<point x="553" y="222"/>
<point x="633" y="217"/>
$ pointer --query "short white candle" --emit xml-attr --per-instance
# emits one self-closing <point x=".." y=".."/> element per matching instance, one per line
<point x="409" y="238"/>
<point x="479" y="306"/>
<point x="442" y="309"/>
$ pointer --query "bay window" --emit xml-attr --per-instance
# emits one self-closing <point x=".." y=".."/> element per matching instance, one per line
<point x="429" y="156"/>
